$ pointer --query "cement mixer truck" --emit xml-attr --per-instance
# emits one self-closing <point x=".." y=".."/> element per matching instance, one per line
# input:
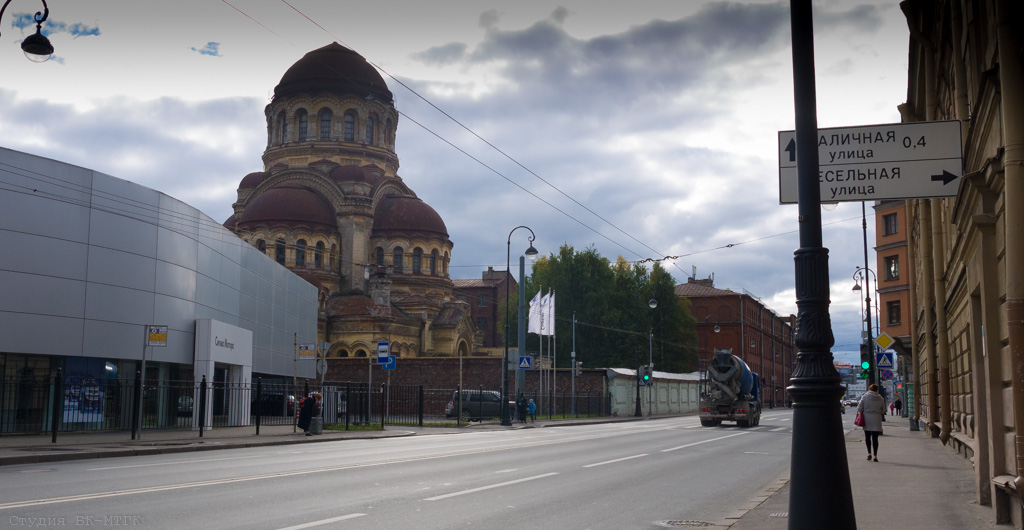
<point x="729" y="391"/>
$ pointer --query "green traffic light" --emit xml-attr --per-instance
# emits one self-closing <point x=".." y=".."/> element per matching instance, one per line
<point x="865" y="365"/>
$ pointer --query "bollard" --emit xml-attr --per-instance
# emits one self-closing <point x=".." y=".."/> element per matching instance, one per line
<point x="202" y="406"/>
<point x="259" y="403"/>
<point x="57" y="399"/>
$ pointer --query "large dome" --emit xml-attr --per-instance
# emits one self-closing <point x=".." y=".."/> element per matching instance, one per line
<point x="334" y="69"/>
<point x="291" y="207"/>
<point x="409" y="216"/>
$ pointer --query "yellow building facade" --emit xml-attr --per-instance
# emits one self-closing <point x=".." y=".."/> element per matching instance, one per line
<point x="330" y="206"/>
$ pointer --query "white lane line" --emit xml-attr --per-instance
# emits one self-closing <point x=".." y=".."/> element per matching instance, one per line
<point x="492" y="486"/>
<point x="324" y="521"/>
<point x="614" y="461"/>
<point x="172" y="463"/>
<point x="703" y="442"/>
<point x="780" y="429"/>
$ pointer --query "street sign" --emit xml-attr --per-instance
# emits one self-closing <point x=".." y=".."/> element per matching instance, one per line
<point x="887" y="375"/>
<point x="884" y="340"/>
<point x="884" y="361"/>
<point x="307" y="351"/>
<point x="156" y="335"/>
<point x="387" y="363"/>
<point x="383" y="351"/>
<point x="890" y="161"/>
<point x="524" y="362"/>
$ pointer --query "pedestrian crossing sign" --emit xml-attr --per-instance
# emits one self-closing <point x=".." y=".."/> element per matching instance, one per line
<point x="885" y="361"/>
<point x="524" y="362"/>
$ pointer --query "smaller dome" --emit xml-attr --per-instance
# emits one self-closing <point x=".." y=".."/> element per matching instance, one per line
<point x="353" y="174"/>
<point x="407" y="215"/>
<point x="289" y="206"/>
<point x="250" y="181"/>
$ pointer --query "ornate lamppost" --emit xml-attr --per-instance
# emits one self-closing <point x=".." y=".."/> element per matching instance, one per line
<point x="36" y="47"/>
<point x="531" y="253"/>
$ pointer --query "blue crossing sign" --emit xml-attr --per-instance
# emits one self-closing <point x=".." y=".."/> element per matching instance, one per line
<point x="524" y="362"/>
<point x="884" y="361"/>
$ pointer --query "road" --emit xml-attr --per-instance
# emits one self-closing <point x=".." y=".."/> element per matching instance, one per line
<point x="615" y="475"/>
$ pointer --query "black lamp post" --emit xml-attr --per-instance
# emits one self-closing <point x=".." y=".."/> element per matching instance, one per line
<point x="867" y="319"/>
<point x="531" y="253"/>
<point x="36" y="47"/>
<point x="820" y="494"/>
<point x="652" y="304"/>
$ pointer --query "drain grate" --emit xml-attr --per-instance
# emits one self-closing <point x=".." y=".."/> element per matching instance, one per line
<point x="690" y="524"/>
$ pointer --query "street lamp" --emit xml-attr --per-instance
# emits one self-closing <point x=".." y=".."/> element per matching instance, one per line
<point x="861" y="272"/>
<point x="36" y="47"/>
<point x="530" y="253"/>
<point x="652" y="303"/>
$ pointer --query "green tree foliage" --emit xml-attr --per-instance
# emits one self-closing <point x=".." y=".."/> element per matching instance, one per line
<point x="613" y="319"/>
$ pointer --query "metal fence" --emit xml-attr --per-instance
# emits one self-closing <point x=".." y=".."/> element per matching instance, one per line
<point x="73" y="404"/>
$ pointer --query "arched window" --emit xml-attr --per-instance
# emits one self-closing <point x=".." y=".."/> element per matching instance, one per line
<point x="360" y="353"/>
<point x="262" y="245"/>
<point x="398" y="258"/>
<point x="433" y="263"/>
<point x="284" y="127"/>
<point x="389" y="138"/>
<point x="444" y="264"/>
<point x="318" y="255"/>
<point x="380" y="257"/>
<point x="343" y="353"/>
<point x="325" y="124"/>
<point x="334" y="254"/>
<point x="417" y="258"/>
<point x="350" y="126"/>
<point x="279" y="251"/>
<point x="303" y="125"/>
<point x="369" y="130"/>
<point x="300" y="253"/>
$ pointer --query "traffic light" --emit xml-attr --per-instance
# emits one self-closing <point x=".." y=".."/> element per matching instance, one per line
<point x="865" y="361"/>
<point x="578" y="370"/>
<point x="646" y="374"/>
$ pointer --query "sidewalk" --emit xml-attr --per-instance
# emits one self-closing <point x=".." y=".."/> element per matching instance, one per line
<point x="916" y="483"/>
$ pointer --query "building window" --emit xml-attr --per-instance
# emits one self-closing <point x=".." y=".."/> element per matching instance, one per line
<point x="892" y="313"/>
<point x="262" y="245"/>
<point x="279" y="251"/>
<point x="303" y="125"/>
<point x="300" y="253"/>
<point x="334" y="253"/>
<point x="284" y="128"/>
<point x="892" y="268"/>
<point x="481" y="301"/>
<point x="350" y="127"/>
<point x="481" y="324"/>
<point x="369" y="130"/>
<point x="397" y="259"/>
<point x="460" y="297"/>
<point x="417" y="260"/>
<point x="433" y="263"/>
<point x="380" y="257"/>
<point x="318" y="255"/>
<point x="889" y="224"/>
<point x="325" y="124"/>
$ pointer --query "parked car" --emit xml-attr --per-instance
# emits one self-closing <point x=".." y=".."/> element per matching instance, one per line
<point x="476" y="405"/>
<point x="274" y="405"/>
<point x="185" y="405"/>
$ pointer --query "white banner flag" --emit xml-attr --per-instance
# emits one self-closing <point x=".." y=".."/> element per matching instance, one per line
<point x="534" y="315"/>
<point x="549" y="315"/>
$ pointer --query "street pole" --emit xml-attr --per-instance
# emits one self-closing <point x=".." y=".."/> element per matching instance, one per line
<point x="506" y="420"/>
<point x="820" y="494"/>
<point x="872" y="375"/>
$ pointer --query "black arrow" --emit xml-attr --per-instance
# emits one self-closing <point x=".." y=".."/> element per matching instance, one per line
<point x="946" y="177"/>
<point x="791" y="147"/>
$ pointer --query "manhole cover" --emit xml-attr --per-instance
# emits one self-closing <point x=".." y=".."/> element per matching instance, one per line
<point x="686" y="524"/>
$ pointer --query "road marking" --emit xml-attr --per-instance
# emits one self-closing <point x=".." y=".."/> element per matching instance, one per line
<point x="614" y="461"/>
<point x="506" y="470"/>
<point x="324" y="521"/>
<point x="172" y="463"/>
<point x="780" y="429"/>
<point x="492" y="486"/>
<point x="704" y="442"/>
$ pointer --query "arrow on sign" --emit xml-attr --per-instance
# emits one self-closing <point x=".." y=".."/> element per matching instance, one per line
<point x="791" y="149"/>
<point x="946" y="177"/>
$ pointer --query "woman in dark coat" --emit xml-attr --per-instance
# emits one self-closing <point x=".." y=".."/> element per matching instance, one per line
<point x="307" y="409"/>
<point x="872" y="406"/>
<point x="521" y="408"/>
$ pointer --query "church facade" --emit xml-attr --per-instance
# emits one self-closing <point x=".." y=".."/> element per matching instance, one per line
<point x="330" y="206"/>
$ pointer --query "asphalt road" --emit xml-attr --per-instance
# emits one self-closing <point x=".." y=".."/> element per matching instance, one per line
<point x="618" y="475"/>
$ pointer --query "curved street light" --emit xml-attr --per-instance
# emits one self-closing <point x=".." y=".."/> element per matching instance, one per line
<point x="531" y="253"/>
<point x="862" y="272"/>
<point x="36" y="46"/>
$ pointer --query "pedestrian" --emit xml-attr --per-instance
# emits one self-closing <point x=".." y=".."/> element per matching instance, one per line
<point x="872" y="408"/>
<point x="308" y="408"/>
<point x="521" y="408"/>
<point x="898" y="402"/>
<point x="892" y="407"/>
<point x="531" y="408"/>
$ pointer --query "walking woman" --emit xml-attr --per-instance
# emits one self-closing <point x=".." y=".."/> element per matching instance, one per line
<point x="872" y="407"/>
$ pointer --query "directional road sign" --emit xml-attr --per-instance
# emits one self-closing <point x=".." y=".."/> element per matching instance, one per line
<point x="873" y="162"/>
<point x="388" y="363"/>
<point x="884" y="361"/>
<point x="524" y="362"/>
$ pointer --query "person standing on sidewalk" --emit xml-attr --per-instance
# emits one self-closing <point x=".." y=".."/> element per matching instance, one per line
<point x="899" y="405"/>
<point x="872" y="406"/>
<point x="308" y="407"/>
<point x="521" y="408"/>
<point x="532" y="410"/>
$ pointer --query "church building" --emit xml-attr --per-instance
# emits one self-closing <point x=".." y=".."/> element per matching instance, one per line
<point x="330" y="206"/>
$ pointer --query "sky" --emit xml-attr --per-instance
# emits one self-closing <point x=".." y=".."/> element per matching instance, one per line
<point x="643" y="129"/>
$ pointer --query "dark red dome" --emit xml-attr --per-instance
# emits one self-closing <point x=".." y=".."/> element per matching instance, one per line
<point x="407" y="215"/>
<point x="289" y="206"/>
<point x="250" y="181"/>
<point x="333" y="69"/>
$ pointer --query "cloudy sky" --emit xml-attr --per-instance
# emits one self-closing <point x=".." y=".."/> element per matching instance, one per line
<point x="644" y="129"/>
